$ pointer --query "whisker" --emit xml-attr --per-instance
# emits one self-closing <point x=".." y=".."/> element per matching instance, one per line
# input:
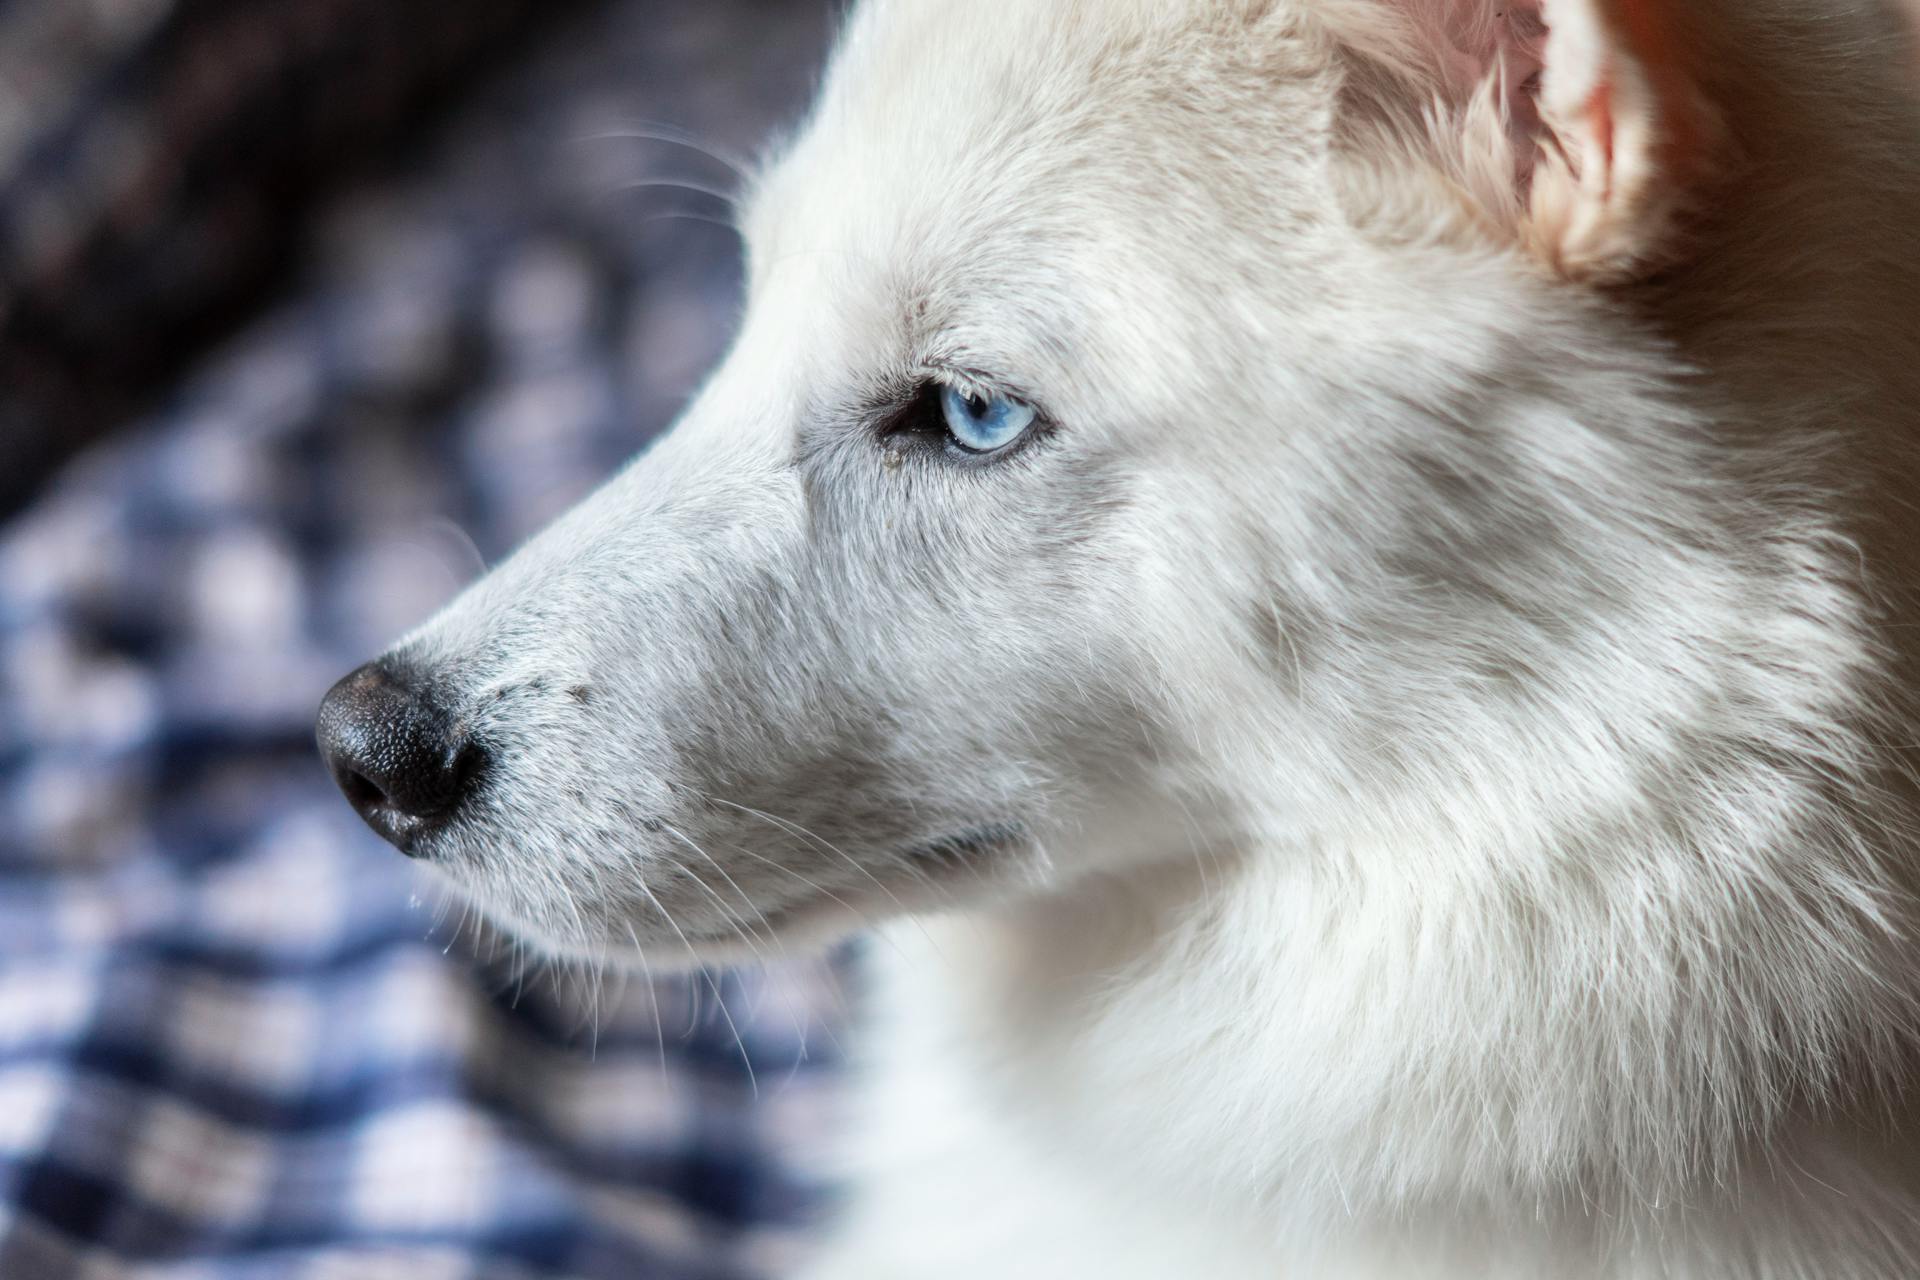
<point x="865" y="920"/>
<point x="726" y="913"/>
<point x="653" y="996"/>
<point x="579" y="931"/>
<point x="678" y="184"/>
<point x="808" y="881"/>
<point x="459" y="926"/>
<point x="457" y="533"/>
<point x="521" y="957"/>
<point x="746" y="1058"/>
<point x="850" y="860"/>
<point x="792" y="828"/>
<point x="772" y="937"/>
<point x="680" y="215"/>
<point x="597" y="973"/>
<point x="739" y="927"/>
<point x="650" y="131"/>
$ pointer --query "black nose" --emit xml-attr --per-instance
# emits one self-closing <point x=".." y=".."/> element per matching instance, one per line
<point x="403" y="763"/>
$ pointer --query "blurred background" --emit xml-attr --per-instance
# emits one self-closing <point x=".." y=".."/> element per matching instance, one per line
<point x="309" y="309"/>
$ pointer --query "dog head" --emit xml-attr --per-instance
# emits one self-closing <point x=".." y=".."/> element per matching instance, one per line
<point x="1157" y="427"/>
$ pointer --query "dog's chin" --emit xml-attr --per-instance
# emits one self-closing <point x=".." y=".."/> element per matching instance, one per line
<point x="794" y="931"/>
<point x="787" y="935"/>
<point x="942" y="874"/>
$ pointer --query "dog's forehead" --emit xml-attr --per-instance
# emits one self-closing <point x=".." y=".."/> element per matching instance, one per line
<point x="989" y="141"/>
<point x="929" y="116"/>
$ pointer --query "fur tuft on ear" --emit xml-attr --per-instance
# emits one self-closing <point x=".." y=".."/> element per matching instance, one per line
<point x="1577" y="126"/>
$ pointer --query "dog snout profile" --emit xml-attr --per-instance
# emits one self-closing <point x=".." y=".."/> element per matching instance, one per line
<point x="403" y="763"/>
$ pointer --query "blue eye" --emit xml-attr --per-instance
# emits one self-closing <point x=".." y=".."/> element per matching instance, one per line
<point x="984" y="424"/>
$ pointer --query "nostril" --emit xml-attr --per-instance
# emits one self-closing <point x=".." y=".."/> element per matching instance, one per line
<point x="359" y="789"/>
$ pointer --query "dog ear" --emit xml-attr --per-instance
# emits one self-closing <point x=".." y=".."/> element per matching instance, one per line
<point x="1598" y="103"/>
<point x="1630" y="140"/>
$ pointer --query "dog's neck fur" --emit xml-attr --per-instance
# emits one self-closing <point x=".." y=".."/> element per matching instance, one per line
<point x="1676" y="1045"/>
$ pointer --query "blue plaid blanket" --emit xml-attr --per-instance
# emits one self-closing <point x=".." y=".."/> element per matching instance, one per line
<point x="238" y="1036"/>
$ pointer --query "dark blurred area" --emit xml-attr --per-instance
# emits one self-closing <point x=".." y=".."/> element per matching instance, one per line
<point x="308" y="309"/>
<point x="160" y="160"/>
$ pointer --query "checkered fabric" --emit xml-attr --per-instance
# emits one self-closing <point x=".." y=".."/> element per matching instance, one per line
<point x="241" y="1039"/>
<point x="157" y="158"/>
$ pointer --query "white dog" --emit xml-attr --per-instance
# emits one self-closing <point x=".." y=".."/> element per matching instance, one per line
<point x="1354" y="561"/>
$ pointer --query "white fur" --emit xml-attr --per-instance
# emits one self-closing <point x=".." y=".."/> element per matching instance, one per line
<point x="1406" y="778"/>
